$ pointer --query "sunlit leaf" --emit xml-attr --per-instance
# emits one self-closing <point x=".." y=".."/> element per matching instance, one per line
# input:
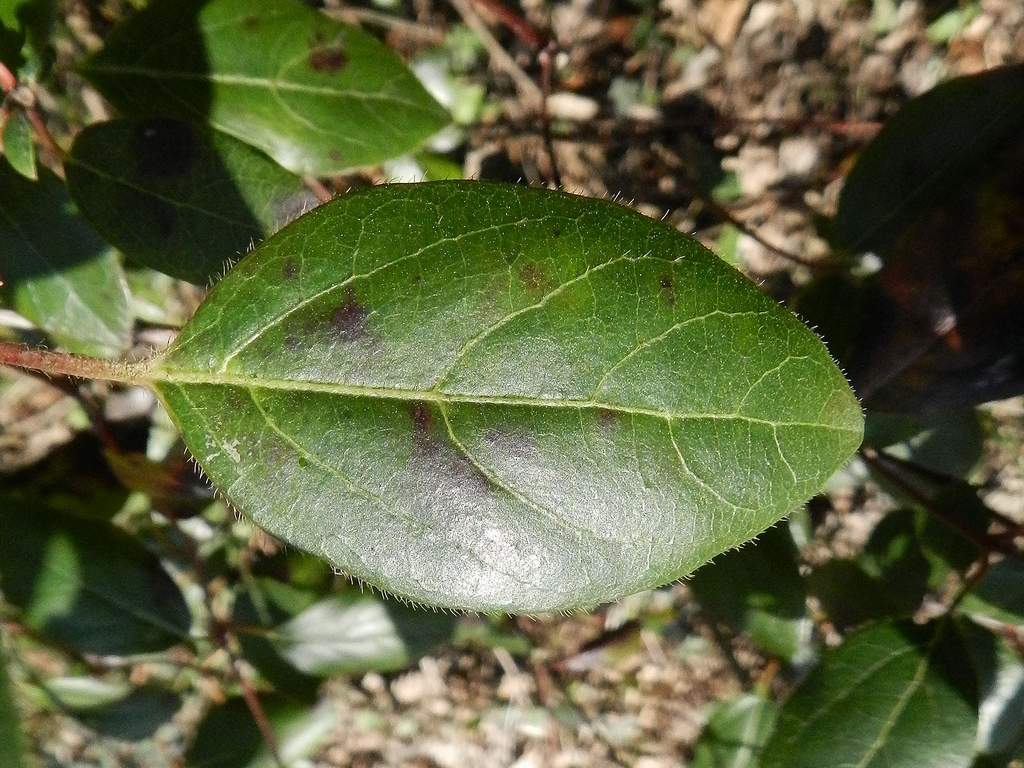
<point x="1001" y="686"/>
<point x="58" y="273"/>
<point x="87" y="584"/>
<point x="198" y="199"/>
<point x="316" y="95"/>
<point x="351" y="634"/>
<point x="18" y="147"/>
<point x="500" y="398"/>
<point x="892" y="695"/>
<point x="736" y="733"/>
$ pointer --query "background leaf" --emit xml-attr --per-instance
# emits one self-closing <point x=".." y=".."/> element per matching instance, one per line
<point x="1001" y="685"/>
<point x="736" y="733"/>
<point x="538" y="401"/>
<point x="352" y="634"/>
<point x="198" y="199"/>
<point x="87" y="584"/>
<point x="12" y="740"/>
<point x="892" y="695"/>
<point x="316" y="95"/>
<point x="229" y="738"/>
<point x="134" y="717"/>
<point x="758" y="590"/>
<point x="59" y="274"/>
<point x="1000" y="593"/>
<point x="18" y="147"/>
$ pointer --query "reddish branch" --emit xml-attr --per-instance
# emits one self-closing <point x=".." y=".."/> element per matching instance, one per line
<point x="516" y="23"/>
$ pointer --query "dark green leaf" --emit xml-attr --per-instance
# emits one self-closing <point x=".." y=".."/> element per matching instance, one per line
<point x="198" y="199"/>
<point x="352" y="634"/>
<point x="25" y="27"/>
<point x="924" y="150"/>
<point x="87" y="584"/>
<point x="1000" y="593"/>
<point x="736" y="733"/>
<point x="12" y="740"/>
<point x="59" y="274"/>
<point x="229" y="737"/>
<point x="758" y="590"/>
<point x="950" y="443"/>
<point x="892" y="695"/>
<point x="316" y="95"/>
<point x="502" y="398"/>
<point x="134" y="717"/>
<point x="18" y="147"/>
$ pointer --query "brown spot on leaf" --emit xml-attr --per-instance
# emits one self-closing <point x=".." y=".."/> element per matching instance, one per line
<point x="327" y="59"/>
<point x="251" y="23"/>
<point x="349" y="319"/>
<point x="422" y="420"/>
<point x="335" y="155"/>
<point x="292" y="343"/>
<point x="290" y="270"/>
<point x="607" y="418"/>
<point x="532" y="277"/>
<point x="556" y="231"/>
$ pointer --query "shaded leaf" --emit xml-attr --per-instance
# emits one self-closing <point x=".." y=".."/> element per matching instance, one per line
<point x="25" y="27"/>
<point x="134" y="717"/>
<point x="18" y="147"/>
<point x="198" y="199"/>
<point x="949" y="443"/>
<point x="923" y="151"/>
<point x="938" y="196"/>
<point x="736" y="733"/>
<point x="352" y="634"/>
<point x="1000" y="593"/>
<point x="229" y="737"/>
<point x="892" y="695"/>
<point x="758" y="590"/>
<point x="59" y="274"/>
<point x="316" y="95"/>
<point x="12" y="740"/>
<point x="1000" y="671"/>
<point x="536" y="401"/>
<point x="87" y="584"/>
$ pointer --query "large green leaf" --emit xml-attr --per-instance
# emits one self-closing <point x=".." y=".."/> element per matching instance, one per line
<point x="501" y="398"/>
<point x="758" y="590"/>
<point x="60" y="275"/>
<point x="736" y="733"/>
<point x="198" y="199"/>
<point x="316" y="95"/>
<point x="87" y="584"/>
<point x="12" y="745"/>
<point x="892" y="695"/>
<point x="352" y="634"/>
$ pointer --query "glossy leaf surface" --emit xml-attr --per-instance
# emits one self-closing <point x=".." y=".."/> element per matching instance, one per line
<point x="354" y="634"/>
<point x="736" y="733"/>
<point x="57" y="271"/>
<point x="12" y="744"/>
<point x="198" y="199"/>
<point x="502" y="398"/>
<point x="316" y="95"/>
<point x="892" y="695"/>
<point x="87" y="584"/>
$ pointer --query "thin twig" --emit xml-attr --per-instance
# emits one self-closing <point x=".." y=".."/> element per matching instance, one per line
<point x="546" y="58"/>
<point x="259" y="715"/>
<point x="500" y="60"/>
<point x="516" y="24"/>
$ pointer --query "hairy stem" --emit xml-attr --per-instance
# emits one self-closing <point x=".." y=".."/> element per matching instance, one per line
<point x="64" y="364"/>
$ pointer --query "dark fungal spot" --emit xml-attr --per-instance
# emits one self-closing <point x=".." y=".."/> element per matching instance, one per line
<point x="607" y="417"/>
<point x="292" y="343"/>
<point x="290" y="270"/>
<point x="164" y="148"/>
<point x="556" y="231"/>
<point x="349" y="319"/>
<point x="422" y="419"/>
<point x="335" y="155"/>
<point x="668" y="289"/>
<point x="327" y="59"/>
<point x="251" y="23"/>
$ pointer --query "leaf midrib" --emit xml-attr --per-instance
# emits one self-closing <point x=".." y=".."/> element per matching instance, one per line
<point x="179" y="377"/>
